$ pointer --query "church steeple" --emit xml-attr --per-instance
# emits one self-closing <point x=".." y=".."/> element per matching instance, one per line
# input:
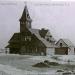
<point x="25" y="20"/>
<point x="25" y="16"/>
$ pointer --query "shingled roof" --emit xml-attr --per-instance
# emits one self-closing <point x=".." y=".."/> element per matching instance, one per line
<point x="36" y="33"/>
<point x="67" y="42"/>
<point x="15" y="37"/>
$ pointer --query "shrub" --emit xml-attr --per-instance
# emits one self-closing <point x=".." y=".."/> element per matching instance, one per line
<point x="51" y="63"/>
<point x="46" y="61"/>
<point x="60" y="71"/>
<point x="67" y="73"/>
<point x="41" y="65"/>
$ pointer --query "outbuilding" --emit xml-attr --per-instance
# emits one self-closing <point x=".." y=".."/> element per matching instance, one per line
<point x="64" y="47"/>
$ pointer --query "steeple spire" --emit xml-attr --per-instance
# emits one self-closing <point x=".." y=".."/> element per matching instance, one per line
<point x="25" y="16"/>
<point x="25" y="20"/>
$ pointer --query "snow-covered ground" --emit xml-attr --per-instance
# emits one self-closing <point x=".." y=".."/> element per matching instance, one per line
<point x="11" y="64"/>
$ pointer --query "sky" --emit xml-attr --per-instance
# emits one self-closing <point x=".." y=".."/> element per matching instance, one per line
<point x="58" y="17"/>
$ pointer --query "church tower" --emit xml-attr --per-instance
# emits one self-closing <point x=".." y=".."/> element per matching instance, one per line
<point x="25" y="20"/>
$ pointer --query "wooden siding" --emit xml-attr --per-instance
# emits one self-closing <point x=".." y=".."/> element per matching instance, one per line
<point x="61" y="51"/>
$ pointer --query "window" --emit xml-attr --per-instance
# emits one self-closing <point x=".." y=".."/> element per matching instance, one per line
<point x="22" y="22"/>
<point x="27" y="38"/>
<point x="50" y="35"/>
<point x="47" y="39"/>
<point x="60" y="44"/>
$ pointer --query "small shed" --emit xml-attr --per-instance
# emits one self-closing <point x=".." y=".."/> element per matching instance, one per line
<point x="64" y="47"/>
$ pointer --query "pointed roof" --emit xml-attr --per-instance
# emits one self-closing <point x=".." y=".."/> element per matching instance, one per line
<point x="25" y="15"/>
<point x="16" y="38"/>
<point x="67" y="42"/>
<point x="44" y="41"/>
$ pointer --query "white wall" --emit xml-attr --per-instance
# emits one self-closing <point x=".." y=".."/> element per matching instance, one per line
<point x="50" y="51"/>
<point x="71" y="51"/>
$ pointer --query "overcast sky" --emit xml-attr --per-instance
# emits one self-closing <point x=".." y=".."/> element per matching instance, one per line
<point x="58" y="17"/>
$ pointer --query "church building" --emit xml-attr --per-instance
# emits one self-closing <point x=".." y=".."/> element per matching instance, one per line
<point x="31" y="41"/>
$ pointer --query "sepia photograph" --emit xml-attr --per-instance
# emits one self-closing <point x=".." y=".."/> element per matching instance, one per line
<point x="37" y="38"/>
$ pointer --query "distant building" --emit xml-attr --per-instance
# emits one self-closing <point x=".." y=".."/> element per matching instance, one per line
<point x="29" y="40"/>
<point x="64" y="47"/>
